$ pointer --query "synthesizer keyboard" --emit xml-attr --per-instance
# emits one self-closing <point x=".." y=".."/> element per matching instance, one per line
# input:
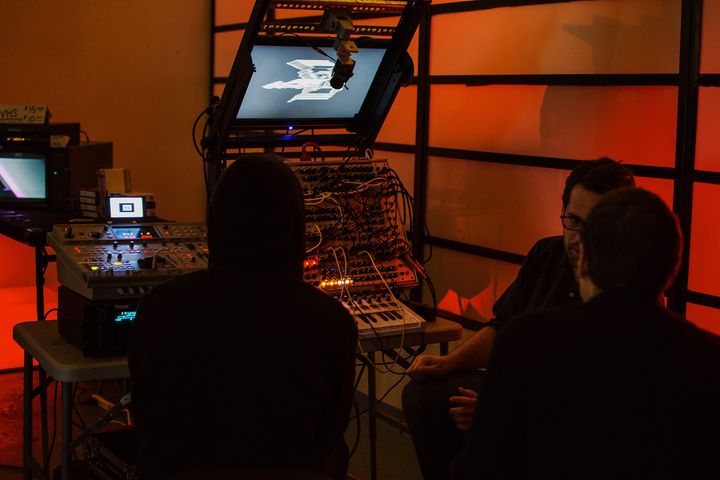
<point x="381" y="314"/>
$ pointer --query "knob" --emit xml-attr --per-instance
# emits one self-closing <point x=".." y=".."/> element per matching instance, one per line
<point x="115" y="245"/>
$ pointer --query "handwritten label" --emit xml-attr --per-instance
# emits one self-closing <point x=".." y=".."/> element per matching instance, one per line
<point x="28" y="114"/>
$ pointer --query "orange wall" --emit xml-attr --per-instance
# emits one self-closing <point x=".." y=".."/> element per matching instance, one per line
<point x="130" y="71"/>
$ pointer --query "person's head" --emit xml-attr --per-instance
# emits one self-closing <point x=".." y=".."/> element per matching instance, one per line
<point x="583" y="189"/>
<point x="256" y="217"/>
<point x="632" y="240"/>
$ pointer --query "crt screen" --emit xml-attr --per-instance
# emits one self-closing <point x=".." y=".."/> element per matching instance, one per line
<point x="22" y="177"/>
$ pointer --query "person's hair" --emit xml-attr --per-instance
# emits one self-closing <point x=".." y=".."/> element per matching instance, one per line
<point x="631" y="239"/>
<point x="256" y="216"/>
<point x="598" y="176"/>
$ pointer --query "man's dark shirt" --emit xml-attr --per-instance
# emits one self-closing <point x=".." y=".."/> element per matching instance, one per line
<point x="240" y="369"/>
<point x="545" y="280"/>
<point x="616" y="388"/>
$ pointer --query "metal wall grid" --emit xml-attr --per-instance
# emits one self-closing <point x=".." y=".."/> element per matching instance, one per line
<point x="688" y="80"/>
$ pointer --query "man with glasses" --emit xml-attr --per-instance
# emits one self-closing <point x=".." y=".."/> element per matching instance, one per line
<point x="440" y="401"/>
<point x="617" y="387"/>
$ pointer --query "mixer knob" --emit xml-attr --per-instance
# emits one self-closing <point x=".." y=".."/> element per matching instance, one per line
<point x="132" y="245"/>
<point x="109" y="257"/>
<point x="119" y="257"/>
<point x="68" y="232"/>
<point x="115" y="245"/>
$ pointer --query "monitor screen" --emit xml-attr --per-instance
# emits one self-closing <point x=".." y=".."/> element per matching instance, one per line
<point x="22" y="177"/>
<point x="126" y="207"/>
<point x="293" y="83"/>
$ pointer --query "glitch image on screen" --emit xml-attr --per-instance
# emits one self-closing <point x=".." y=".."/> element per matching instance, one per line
<point x="22" y="177"/>
<point x="292" y="82"/>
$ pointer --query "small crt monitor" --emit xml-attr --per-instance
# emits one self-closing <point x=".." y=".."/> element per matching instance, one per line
<point x="126" y="208"/>
<point x="22" y="178"/>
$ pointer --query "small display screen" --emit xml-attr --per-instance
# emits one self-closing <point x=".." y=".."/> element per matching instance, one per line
<point x="293" y="82"/>
<point x="134" y="233"/>
<point x="126" y="207"/>
<point x="22" y="177"/>
<point x="126" y="233"/>
<point x="125" y="316"/>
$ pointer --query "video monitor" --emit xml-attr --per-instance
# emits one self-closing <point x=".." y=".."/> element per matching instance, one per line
<point x="291" y="85"/>
<point x="22" y="178"/>
<point x="126" y="208"/>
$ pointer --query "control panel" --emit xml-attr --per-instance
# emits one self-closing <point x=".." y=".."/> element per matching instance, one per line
<point x="109" y="261"/>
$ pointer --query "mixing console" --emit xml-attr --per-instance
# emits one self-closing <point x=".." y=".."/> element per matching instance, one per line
<point x="110" y="261"/>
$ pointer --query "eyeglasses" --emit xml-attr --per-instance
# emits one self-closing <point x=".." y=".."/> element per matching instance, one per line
<point x="572" y="222"/>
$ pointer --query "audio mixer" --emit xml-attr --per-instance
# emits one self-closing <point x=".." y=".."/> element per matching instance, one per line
<point x="111" y="261"/>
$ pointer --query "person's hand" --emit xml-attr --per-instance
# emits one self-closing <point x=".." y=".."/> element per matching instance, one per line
<point x="463" y="408"/>
<point x="428" y="366"/>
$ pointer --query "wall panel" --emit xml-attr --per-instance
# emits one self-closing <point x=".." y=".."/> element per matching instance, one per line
<point x="707" y="318"/>
<point x="399" y="126"/>
<point x="707" y="148"/>
<point x="505" y="207"/>
<point x="710" y="51"/>
<point x="638" y="36"/>
<point x="226" y="46"/>
<point x="403" y="164"/>
<point x="466" y="284"/>
<point x="232" y="11"/>
<point x="705" y="240"/>
<point x="632" y="124"/>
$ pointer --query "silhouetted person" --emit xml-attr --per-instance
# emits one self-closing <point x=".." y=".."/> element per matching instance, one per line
<point x="616" y="388"/>
<point x="440" y="401"/>
<point x="244" y="364"/>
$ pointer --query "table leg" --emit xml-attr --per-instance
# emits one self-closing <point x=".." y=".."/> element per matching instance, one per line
<point x="39" y="283"/>
<point x="43" y="412"/>
<point x="27" y="415"/>
<point x="66" y="429"/>
<point x="372" y="414"/>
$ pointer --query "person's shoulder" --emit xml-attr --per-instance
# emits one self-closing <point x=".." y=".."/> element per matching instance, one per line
<point x="701" y="340"/>
<point x="543" y="323"/>
<point x="178" y="287"/>
<point x="548" y="245"/>
<point x="325" y="309"/>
